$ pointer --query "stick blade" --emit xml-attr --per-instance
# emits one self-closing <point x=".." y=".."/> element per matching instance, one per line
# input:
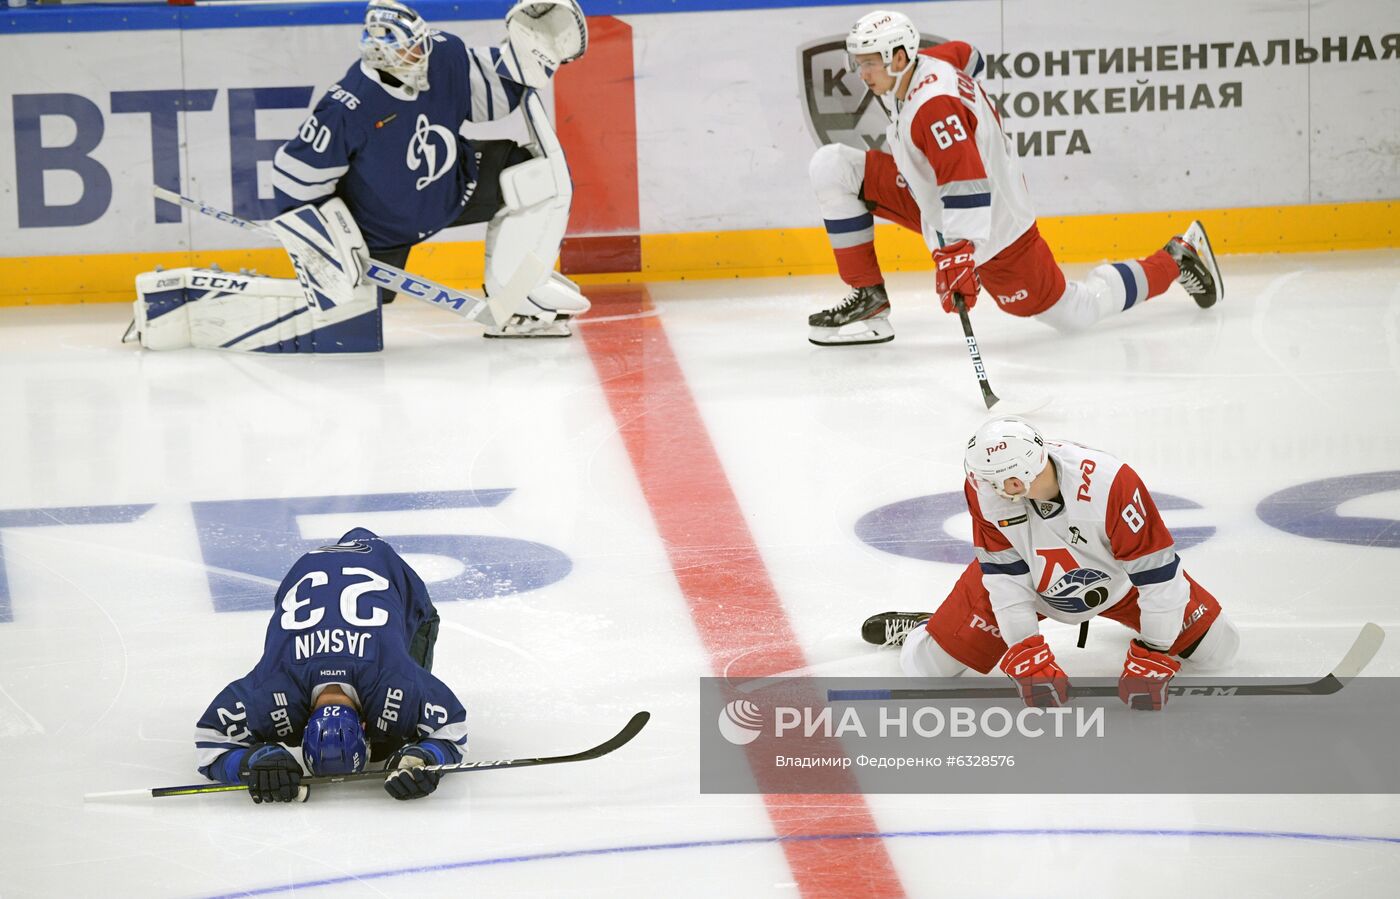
<point x="624" y="736"/>
<point x="1367" y="644"/>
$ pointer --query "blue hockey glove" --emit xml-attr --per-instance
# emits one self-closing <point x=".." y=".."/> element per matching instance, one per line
<point x="407" y="778"/>
<point x="272" y="774"/>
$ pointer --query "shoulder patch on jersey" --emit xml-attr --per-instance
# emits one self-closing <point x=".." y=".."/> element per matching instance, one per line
<point x="1008" y="522"/>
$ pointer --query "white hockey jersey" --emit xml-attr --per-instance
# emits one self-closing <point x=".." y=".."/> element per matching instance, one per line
<point x="1105" y="543"/>
<point x="947" y="141"/>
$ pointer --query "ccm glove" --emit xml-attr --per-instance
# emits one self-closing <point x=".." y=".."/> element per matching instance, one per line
<point x="1031" y="665"/>
<point x="408" y="779"/>
<point x="1146" y="674"/>
<point x="272" y="774"/>
<point x="956" y="274"/>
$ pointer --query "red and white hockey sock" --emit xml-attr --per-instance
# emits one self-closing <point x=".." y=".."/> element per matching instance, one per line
<point x="853" y="243"/>
<point x="1143" y="279"/>
<point x="1161" y="272"/>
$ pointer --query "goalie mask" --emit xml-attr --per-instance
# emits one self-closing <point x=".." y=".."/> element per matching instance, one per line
<point x="334" y="741"/>
<point x="1005" y="448"/>
<point x="397" y="40"/>
<point x="883" y="32"/>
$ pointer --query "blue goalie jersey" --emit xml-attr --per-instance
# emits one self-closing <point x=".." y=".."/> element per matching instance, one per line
<point x="346" y="614"/>
<point x="395" y="155"/>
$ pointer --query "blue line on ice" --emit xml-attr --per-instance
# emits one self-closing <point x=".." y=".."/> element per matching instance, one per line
<point x="751" y="841"/>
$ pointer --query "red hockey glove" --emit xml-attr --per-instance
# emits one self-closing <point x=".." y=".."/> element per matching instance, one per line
<point x="1146" y="674"/>
<point x="1031" y="665"/>
<point x="956" y="274"/>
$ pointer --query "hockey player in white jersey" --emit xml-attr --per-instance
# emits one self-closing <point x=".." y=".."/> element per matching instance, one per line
<point x="382" y="149"/>
<point x="952" y="176"/>
<point x="1065" y="532"/>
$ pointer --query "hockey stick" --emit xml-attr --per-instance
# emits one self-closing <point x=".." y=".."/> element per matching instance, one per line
<point x="472" y="308"/>
<point x="991" y="399"/>
<point x="1358" y="657"/>
<point x="620" y="739"/>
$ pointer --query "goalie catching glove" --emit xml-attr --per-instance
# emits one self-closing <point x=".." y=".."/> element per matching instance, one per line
<point x="545" y="34"/>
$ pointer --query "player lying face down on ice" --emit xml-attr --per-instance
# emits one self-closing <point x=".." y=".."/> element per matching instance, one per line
<point x="345" y="673"/>
<point x="1064" y="532"/>
<point x="951" y="175"/>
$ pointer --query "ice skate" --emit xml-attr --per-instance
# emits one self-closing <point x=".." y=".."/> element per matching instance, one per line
<point x="862" y="317"/>
<point x="1200" y="274"/>
<point x="890" y="628"/>
<point x="546" y="312"/>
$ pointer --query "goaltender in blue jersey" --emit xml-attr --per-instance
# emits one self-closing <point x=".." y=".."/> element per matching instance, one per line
<point x="392" y="151"/>
<point x="345" y="673"/>
<point x="383" y="149"/>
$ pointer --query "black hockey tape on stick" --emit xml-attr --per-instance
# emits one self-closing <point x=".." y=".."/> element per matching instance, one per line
<point x="988" y="397"/>
<point x="617" y="741"/>
<point x="470" y="307"/>
<point x="1367" y="643"/>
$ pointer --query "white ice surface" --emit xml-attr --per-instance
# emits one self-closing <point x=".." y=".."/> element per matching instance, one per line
<point x="114" y="647"/>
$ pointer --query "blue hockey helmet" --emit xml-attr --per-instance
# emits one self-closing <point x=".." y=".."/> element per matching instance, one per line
<point x="334" y="741"/>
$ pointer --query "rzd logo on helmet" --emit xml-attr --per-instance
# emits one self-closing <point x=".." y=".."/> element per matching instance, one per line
<point x="840" y="108"/>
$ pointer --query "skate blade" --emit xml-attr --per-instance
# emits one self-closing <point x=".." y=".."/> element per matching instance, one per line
<point x="555" y="336"/>
<point x="829" y="337"/>
<point x="1207" y="254"/>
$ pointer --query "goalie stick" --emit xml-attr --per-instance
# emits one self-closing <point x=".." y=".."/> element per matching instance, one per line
<point x="620" y="739"/>
<point x="470" y="307"/>
<point x="1358" y="657"/>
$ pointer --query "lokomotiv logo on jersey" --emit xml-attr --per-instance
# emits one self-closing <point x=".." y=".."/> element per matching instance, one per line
<point x="840" y="108"/>
<point x="1078" y="591"/>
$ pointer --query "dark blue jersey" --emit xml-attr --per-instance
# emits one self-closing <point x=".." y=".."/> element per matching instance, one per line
<point x="395" y="155"/>
<point x="346" y="614"/>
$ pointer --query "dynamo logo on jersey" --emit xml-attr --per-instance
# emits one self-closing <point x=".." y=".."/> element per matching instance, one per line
<point x="840" y="108"/>
<point x="423" y="149"/>
<point x="1078" y="591"/>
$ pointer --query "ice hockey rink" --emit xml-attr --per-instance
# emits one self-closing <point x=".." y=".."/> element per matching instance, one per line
<point x="685" y="488"/>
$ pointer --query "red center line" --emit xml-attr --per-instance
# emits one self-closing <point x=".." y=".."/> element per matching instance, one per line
<point x="722" y="575"/>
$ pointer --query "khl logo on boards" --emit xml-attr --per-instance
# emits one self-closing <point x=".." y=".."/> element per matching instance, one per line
<point x="840" y="108"/>
<point x="740" y="722"/>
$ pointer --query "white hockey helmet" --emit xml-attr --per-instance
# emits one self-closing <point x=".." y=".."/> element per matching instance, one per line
<point x="1005" y="448"/>
<point x="397" y="40"/>
<point x="882" y="32"/>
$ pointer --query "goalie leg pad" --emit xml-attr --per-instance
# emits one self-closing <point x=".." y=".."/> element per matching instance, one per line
<point x="196" y="307"/>
<point x="327" y="251"/>
<point x="522" y="240"/>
